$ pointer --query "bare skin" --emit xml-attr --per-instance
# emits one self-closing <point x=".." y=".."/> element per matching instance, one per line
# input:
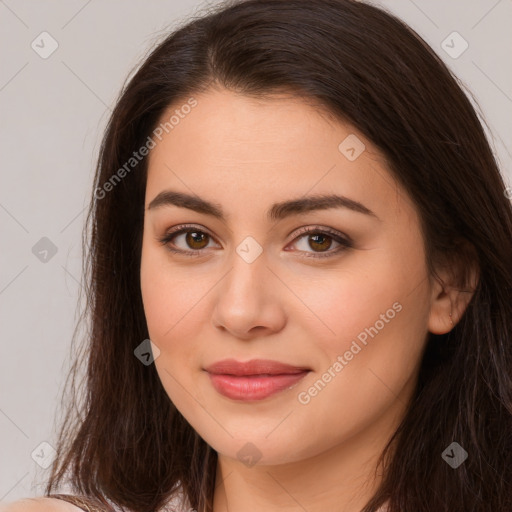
<point x="244" y="155"/>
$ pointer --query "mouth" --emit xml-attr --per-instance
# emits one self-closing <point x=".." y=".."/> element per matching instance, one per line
<point x="253" y="380"/>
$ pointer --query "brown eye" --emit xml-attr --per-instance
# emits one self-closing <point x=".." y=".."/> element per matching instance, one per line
<point x="320" y="242"/>
<point x="187" y="240"/>
<point x="196" y="239"/>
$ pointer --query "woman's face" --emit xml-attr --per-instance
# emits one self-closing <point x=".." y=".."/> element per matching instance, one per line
<point x="272" y="279"/>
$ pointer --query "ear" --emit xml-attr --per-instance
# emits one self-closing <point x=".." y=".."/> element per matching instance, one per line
<point x="453" y="287"/>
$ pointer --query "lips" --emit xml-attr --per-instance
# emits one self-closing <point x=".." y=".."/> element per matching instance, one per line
<point x="253" y="380"/>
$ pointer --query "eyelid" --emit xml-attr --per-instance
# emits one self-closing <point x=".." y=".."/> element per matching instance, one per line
<point x="180" y="229"/>
<point x="322" y="229"/>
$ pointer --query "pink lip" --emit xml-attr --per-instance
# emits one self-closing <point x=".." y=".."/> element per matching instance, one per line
<point x="253" y="380"/>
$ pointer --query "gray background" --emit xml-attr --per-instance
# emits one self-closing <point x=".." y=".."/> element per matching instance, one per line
<point x="53" y="114"/>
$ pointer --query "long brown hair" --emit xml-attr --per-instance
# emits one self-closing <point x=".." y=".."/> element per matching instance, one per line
<point x="122" y="439"/>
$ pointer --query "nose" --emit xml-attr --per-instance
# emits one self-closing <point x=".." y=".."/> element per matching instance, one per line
<point x="249" y="301"/>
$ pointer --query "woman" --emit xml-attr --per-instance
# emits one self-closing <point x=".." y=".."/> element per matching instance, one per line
<point x="299" y="279"/>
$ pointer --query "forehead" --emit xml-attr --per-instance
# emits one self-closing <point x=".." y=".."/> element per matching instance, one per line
<point x="254" y="150"/>
<point x="279" y="126"/>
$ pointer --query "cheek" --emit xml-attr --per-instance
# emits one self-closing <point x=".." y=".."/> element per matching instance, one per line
<point x="367" y="366"/>
<point x="340" y="305"/>
<point x="168" y="294"/>
<point x="167" y="310"/>
<point x="374" y="314"/>
<point x="171" y="329"/>
<point x="175" y="311"/>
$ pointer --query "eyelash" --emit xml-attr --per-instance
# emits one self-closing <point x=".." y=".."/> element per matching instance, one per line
<point x="345" y="243"/>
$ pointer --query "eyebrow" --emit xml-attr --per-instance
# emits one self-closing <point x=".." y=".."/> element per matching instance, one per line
<point x="277" y="211"/>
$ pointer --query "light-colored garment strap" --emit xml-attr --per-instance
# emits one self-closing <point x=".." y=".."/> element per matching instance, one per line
<point x="82" y="502"/>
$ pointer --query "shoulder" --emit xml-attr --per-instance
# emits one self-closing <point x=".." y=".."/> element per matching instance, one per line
<point x="39" y="505"/>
